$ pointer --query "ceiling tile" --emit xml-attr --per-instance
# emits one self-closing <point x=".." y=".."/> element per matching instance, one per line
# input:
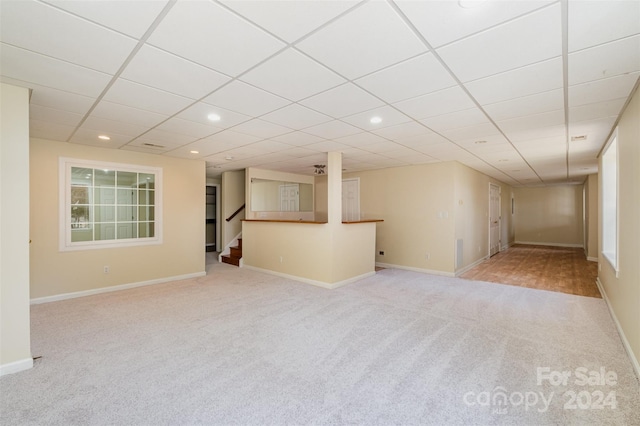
<point x="602" y="90"/>
<point x="341" y="101"/>
<point x="539" y="77"/>
<point x="245" y="99"/>
<point x="296" y="117"/>
<point x="479" y="131"/>
<point x="332" y="129"/>
<point x="407" y="79"/>
<point x="464" y="118"/>
<point x="289" y="20"/>
<point x="604" y="61"/>
<point x="297" y="138"/>
<point x="596" y="110"/>
<point x="45" y="71"/>
<point x="293" y="76"/>
<point x="383" y="147"/>
<point x="49" y="130"/>
<point x="442" y="22"/>
<point x="190" y="128"/>
<point x="165" y="71"/>
<point x="205" y="27"/>
<point x="126" y="114"/>
<point x="90" y="137"/>
<point x="528" y="105"/>
<point x="527" y="122"/>
<point x="360" y="139"/>
<point x="327" y="146"/>
<point x="106" y="127"/>
<point x="437" y="103"/>
<point x="59" y="116"/>
<point x="537" y="133"/>
<point x="261" y="128"/>
<point x="389" y="116"/>
<point x="586" y="19"/>
<point x="130" y="17"/>
<point x="200" y="111"/>
<point x="168" y="138"/>
<point x="352" y="36"/>
<point x="40" y="28"/>
<point x="532" y="38"/>
<point x="67" y="101"/>
<point x="136" y="95"/>
<point x="404" y="130"/>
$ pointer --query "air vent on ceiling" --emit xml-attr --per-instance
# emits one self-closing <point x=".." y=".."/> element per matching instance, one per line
<point x="579" y="138"/>
<point x="152" y="145"/>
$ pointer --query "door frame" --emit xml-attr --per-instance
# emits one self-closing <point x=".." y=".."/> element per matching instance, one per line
<point x="357" y="180"/>
<point x="491" y="184"/>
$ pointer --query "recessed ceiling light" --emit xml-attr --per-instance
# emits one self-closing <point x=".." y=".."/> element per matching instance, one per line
<point x="213" y="117"/>
<point x="470" y="4"/>
<point x="228" y="158"/>
<point x="375" y="120"/>
<point x="195" y="152"/>
<point x="104" y="137"/>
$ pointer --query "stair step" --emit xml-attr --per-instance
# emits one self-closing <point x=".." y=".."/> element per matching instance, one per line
<point x="236" y="252"/>
<point x="240" y="243"/>
<point x="235" y="261"/>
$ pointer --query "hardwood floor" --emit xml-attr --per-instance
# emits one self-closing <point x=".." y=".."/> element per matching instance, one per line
<point x="560" y="269"/>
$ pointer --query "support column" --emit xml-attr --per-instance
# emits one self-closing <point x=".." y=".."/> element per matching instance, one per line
<point x="334" y="187"/>
<point x="15" y="329"/>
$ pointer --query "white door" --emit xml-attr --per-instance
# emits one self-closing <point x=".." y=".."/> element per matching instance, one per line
<point x="494" y="219"/>
<point x="350" y="200"/>
<point x="289" y="198"/>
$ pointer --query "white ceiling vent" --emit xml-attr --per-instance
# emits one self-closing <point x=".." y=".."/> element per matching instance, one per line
<point x="578" y="138"/>
<point x="152" y="145"/>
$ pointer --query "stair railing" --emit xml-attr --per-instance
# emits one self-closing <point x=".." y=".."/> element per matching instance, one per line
<point x="235" y="213"/>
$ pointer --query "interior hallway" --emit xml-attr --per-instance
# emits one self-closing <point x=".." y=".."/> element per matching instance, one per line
<point x="561" y="269"/>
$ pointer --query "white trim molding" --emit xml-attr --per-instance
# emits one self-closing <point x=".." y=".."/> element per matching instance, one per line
<point x="592" y="259"/>
<point x="322" y="284"/>
<point x="473" y="265"/>
<point x="632" y="357"/>
<point x="538" y="243"/>
<point x="16" y="366"/>
<point x="65" y="296"/>
<point x="421" y="270"/>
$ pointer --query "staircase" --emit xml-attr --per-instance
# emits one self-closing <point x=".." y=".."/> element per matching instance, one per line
<point x="233" y="258"/>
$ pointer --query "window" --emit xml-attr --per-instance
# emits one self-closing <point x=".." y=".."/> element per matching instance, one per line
<point x="610" y="202"/>
<point x="109" y="205"/>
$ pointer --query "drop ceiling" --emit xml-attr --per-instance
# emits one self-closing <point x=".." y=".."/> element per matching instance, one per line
<point x="502" y="87"/>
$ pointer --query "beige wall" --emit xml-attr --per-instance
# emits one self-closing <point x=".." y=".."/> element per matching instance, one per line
<point x="15" y="344"/>
<point x="321" y="197"/>
<point x="549" y="215"/>
<point x="591" y="217"/>
<point x="180" y="254"/>
<point x="623" y="291"/>
<point x="472" y="214"/>
<point x="232" y="197"/>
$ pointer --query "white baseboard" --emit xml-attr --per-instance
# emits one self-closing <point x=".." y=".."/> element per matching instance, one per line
<point x="623" y="337"/>
<point x="538" y="243"/>
<point x="322" y="284"/>
<point x="91" y="292"/>
<point x="592" y="259"/>
<point x="506" y="246"/>
<point x="473" y="265"/>
<point x="16" y="366"/>
<point x="410" y="268"/>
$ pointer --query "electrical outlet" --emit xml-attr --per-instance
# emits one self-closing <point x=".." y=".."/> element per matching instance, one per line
<point x="280" y="259"/>
<point x="381" y="253"/>
<point x="427" y="256"/>
<point x="107" y="269"/>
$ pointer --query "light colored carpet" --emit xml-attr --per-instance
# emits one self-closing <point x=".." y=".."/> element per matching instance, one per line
<point x="241" y="347"/>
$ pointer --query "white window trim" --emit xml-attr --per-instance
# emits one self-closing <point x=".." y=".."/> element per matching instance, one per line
<point x="613" y="258"/>
<point x="64" y="202"/>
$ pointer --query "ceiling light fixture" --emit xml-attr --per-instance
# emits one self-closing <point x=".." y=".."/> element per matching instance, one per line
<point x="195" y="152"/>
<point x="375" y="120"/>
<point x="213" y="117"/>
<point x="104" y="137"/>
<point x="228" y="158"/>
<point x="470" y="4"/>
<point x="318" y="169"/>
